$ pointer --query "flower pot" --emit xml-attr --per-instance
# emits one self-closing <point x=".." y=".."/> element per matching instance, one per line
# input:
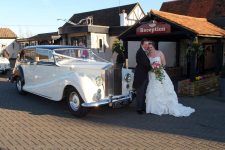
<point x="222" y="87"/>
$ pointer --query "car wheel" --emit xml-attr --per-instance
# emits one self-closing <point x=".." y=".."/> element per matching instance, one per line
<point x="74" y="101"/>
<point x="19" y="86"/>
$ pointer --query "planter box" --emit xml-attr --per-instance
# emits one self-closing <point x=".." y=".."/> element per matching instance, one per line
<point x="187" y="88"/>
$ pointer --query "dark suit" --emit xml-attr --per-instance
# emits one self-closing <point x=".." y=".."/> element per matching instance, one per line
<point x="141" y="77"/>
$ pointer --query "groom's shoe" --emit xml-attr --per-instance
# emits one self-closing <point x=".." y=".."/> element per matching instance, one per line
<point x="140" y="112"/>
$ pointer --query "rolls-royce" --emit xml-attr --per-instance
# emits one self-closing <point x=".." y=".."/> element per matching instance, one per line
<point x="74" y="74"/>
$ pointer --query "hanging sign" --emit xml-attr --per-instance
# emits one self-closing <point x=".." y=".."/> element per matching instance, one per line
<point x="153" y="28"/>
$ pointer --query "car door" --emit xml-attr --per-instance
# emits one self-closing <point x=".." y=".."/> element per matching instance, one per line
<point x="41" y="68"/>
<point x="46" y="76"/>
<point x="26" y="60"/>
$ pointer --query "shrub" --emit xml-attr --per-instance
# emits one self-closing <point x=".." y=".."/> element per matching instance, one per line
<point x="119" y="49"/>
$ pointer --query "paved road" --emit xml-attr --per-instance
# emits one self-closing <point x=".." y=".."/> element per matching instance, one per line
<point x="30" y="122"/>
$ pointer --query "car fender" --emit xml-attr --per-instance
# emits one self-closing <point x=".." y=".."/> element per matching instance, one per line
<point x="84" y="84"/>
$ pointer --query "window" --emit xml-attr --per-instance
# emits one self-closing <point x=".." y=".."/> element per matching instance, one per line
<point x="44" y="56"/>
<point x="27" y="55"/>
<point x="210" y="56"/>
<point x="75" y="53"/>
<point x="79" y="41"/>
<point x="101" y="45"/>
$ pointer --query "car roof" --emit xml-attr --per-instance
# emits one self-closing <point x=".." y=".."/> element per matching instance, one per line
<point x="52" y="47"/>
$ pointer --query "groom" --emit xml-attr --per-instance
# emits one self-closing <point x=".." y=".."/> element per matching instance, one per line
<point x="141" y="75"/>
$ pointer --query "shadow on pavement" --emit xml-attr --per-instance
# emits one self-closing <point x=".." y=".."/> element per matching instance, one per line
<point x="207" y="122"/>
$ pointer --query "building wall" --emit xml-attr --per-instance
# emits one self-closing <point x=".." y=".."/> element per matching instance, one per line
<point x="93" y="42"/>
<point x="107" y="41"/>
<point x="11" y="46"/>
<point x="168" y="48"/>
<point x="183" y="56"/>
<point x="133" y="47"/>
<point x="136" y="14"/>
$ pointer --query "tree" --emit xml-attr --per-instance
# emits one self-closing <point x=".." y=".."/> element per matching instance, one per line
<point x="119" y="49"/>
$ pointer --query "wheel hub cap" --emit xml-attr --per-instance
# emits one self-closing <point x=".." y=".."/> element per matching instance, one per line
<point x="74" y="101"/>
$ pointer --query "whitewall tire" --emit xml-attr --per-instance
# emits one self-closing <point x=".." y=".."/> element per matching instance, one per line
<point x="74" y="102"/>
<point x="19" y="86"/>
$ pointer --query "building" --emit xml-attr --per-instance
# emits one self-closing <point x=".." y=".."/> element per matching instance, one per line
<point x="193" y="69"/>
<point x="8" y="42"/>
<point x="98" y="29"/>
<point x="173" y="33"/>
<point x="213" y="10"/>
<point x="51" y="38"/>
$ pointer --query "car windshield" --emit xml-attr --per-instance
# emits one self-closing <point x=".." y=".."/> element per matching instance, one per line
<point x="76" y="54"/>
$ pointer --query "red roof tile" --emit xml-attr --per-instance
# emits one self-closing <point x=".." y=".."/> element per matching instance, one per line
<point x="196" y="8"/>
<point x="177" y="7"/>
<point x="7" y="33"/>
<point x="200" y="26"/>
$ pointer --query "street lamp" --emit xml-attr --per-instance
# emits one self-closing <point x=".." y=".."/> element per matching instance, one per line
<point x="89" y="20"/>
<point x="68" y="21"/>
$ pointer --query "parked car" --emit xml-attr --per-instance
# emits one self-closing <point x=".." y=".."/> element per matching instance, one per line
<point x="4" y="65"/>
<point x="73" y="74"/>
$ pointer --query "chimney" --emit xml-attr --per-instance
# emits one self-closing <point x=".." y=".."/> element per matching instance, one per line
<point x="123" y="18"/>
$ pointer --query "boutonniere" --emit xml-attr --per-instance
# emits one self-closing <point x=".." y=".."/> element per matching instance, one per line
<point x="146" y="52"/>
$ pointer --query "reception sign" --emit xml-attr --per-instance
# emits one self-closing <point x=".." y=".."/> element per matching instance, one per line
<point x="153" y="28"/>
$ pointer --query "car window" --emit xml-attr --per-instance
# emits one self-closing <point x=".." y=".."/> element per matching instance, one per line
<point x="44" y="56"/>
<point x="27" y="55"/>
<point x="75" y="53"/>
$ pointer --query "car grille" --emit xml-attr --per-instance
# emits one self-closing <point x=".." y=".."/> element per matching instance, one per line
<point x="113" y="82"/>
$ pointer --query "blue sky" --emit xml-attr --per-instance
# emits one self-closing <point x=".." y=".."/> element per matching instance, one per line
<point x="30" y="17"/>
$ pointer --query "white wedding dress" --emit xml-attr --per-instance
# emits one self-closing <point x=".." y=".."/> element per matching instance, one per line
<point x="161" y="97"/>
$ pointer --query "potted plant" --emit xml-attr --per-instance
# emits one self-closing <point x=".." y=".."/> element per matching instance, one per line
<point x="222" y="82"/>
<point x="194" y="51"/>
<point x="119" y="49"/>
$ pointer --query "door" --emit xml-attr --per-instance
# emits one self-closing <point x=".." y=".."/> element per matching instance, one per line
<point x="47" y="77"/>
<point x="40" y="71"/>
<point x="27" y="59"/>
<point x="210" y="57"/>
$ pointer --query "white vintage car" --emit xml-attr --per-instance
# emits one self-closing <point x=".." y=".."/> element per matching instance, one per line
<point x="73" y="74"/>
<point x="4" y="65"/>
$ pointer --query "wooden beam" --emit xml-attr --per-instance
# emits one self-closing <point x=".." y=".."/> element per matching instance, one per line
<point x="178" y="53"/>
<point x="219" y="55"/>
<point x="192" y="67"/>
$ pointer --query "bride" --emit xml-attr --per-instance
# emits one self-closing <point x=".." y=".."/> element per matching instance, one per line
<point x="160" y="95"/>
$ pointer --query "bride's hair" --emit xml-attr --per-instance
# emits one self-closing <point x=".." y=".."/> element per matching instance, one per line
<point x="152" y="43"/>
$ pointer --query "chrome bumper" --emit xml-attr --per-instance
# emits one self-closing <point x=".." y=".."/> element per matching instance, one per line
<point x="112" y="101"/>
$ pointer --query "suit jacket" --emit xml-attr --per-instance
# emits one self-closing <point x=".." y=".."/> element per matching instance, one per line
<point x="142" y="68"/>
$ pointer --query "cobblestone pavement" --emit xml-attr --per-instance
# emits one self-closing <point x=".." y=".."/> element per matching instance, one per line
<point x="31" y="122"/>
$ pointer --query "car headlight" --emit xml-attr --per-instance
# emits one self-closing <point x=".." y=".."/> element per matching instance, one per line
<point x="98" y="81"/>
<point x="127" y="77"/>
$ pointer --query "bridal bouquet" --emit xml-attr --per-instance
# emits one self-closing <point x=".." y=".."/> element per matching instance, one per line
<point x="158" y="69"/>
